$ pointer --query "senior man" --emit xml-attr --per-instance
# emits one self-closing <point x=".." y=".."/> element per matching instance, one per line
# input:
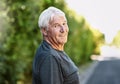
<point x="51" y="64"/>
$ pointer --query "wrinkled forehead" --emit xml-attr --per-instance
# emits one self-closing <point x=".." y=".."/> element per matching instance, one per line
<point x="57" y="17"/>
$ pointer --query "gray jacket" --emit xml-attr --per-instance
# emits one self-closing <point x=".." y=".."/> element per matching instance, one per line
<point x="51" y="66"/>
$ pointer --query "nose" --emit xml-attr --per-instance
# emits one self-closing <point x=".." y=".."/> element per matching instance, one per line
<point x="62" y="29"/>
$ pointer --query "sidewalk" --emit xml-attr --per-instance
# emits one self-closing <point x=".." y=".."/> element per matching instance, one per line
<point x="86" y="71"/>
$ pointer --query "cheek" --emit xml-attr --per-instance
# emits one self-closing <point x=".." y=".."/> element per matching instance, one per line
<point x="67" y="29"/>
<point x="56" y="31"/>
<point x="53" y="33"/>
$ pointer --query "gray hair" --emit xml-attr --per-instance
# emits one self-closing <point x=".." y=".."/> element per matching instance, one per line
<point x="47" y="15"/>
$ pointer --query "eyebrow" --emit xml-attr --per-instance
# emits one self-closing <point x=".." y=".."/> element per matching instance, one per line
<point x="58" y="23"/>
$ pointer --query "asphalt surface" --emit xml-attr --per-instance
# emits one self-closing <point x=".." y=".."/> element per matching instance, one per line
<point x="106" y="72"/>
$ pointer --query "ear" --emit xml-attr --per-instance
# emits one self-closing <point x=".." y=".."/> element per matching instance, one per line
<point x="44" y="31"/>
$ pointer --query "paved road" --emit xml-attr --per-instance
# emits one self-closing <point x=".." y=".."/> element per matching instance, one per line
<point x="106" y="72"/>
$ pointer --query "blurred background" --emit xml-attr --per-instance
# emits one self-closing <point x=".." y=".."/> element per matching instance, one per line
<point x="94" y="34"/>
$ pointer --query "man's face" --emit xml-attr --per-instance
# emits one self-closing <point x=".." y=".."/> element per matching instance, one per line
<point x="58" y="30"/>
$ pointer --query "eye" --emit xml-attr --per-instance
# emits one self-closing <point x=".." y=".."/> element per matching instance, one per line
<point x="56" y="25"/>
<point x="64" y="23"/>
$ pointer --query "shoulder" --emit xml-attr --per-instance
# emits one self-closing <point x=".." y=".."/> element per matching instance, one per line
<point x="46" y="56"/>
<point x="46" y="52"/>
<point x="53" y="56"/>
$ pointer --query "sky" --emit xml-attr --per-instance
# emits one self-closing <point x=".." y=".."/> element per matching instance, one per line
<point x="103" y="15"/>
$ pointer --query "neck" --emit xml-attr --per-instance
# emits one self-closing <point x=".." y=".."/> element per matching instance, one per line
<point x="56" y="46"/>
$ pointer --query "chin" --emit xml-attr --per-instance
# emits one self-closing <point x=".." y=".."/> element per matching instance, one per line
<point x="63" y="42"/>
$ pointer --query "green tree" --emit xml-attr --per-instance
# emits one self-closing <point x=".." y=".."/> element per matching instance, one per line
<point x="21" y="41"/>
<point x="3" y="29"/>
<point x="116" y="40"/>
<point x="83" y="40"/>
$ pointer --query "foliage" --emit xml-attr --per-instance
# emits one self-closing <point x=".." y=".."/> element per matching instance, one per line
<point x="98" y="39"/>
<point x="3" y="29"/>
<point x="83" y="40"/>
<point x="116" y="40"/>
<point x="21" y="42"/>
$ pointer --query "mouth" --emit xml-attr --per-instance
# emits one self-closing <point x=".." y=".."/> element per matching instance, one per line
<point x="63" y="35"/>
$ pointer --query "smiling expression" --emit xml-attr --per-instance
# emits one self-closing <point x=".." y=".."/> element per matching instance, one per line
<point x="57" y="32"/>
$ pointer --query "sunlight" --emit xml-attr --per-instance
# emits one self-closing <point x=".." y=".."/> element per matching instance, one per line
<point x="110" y="51"/>
<point x="107" y="53"/>
<point x="98" y="15"/>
